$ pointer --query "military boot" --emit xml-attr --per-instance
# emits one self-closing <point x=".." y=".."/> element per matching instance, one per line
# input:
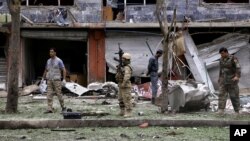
<point x="237" y="114"/>
<point x="220" y="112"/>
<point x="122" y="112"/>
<point x="128" y="113"/>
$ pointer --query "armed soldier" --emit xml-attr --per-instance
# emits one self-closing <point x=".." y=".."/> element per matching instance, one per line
<point x="123" y="75"/>
<point x="229" y="75"/>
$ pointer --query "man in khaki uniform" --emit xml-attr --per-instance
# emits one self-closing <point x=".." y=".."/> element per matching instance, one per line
<point x="52" y="73"/>
<point x="123" y="76"/>
<point x="229" y="75"/>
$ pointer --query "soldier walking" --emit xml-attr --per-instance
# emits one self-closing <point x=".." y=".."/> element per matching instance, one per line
<point x="229" y="75"/>
<point x="123" y="76"/>
<point x="52" y="73"/>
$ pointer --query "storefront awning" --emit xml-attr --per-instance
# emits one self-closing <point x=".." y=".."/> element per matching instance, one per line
<point x="55" y="34"/>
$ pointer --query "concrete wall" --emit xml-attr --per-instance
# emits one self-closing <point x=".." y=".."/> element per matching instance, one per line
<point x="193" y="9"/>
<point x="3" y="6"/>
<point x="84" y="11"/>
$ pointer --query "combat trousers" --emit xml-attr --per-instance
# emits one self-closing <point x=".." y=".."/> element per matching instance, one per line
<point x="233" y="91"/>
<point x="54" y="86"/>
<point x="124" y="98"/>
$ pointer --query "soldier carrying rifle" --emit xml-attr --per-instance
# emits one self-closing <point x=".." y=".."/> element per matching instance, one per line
<point x="123" y="75"/>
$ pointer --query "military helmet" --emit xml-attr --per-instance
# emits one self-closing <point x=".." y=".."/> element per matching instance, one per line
<point x="126" y="56"/>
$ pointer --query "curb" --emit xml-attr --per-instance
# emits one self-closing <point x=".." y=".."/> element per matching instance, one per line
<point x="79" y="123"/>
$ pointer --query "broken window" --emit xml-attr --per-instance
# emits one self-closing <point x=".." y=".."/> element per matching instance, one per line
<point x="140" y="2"/>
<point x="48" y="2"/>
<point x="135" y="2"/>
<point x="226" y="1"/>
<point x="150" y="1"/>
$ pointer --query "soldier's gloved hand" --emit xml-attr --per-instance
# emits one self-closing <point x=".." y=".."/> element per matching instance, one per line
<point x="63" y="82"/>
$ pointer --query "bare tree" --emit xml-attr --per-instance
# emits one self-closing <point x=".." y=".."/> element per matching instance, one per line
<point x="162" y="18"/>
<point x="13" y="56"/>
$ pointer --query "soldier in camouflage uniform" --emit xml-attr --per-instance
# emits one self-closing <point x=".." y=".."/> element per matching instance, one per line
<point x="52" y="73"/>
<point x="229" y="75"/>
<point x="123" y="76"/>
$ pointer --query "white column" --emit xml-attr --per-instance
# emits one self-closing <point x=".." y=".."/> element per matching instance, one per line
<point x="27" y="2"/>
<point x="59" y="3"/>
<point x="144" y="2"/>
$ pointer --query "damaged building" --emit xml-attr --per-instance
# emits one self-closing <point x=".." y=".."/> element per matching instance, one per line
<point x="88" y="33"/>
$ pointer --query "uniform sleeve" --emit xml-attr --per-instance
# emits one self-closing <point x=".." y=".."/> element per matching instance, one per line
<point x="150" y="62"/>
<point x="127" y="74"/>
<point x="238" y="68"/>
<point x="220" y="72"/>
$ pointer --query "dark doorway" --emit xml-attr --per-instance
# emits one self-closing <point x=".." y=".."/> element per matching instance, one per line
<point x="72" y="53"/>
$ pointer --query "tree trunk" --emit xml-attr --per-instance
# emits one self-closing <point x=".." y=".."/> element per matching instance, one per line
<point x="13" y="57"/>
<point x="162" y="18"/>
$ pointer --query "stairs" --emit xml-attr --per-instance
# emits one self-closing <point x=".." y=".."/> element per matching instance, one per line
<point x="3" y="73"/>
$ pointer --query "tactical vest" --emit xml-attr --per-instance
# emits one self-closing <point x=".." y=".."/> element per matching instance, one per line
<point x="228" y="69"/>
<point x="120" y="75"/>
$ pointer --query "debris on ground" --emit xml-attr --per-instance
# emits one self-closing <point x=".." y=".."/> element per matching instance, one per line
<point x="124" y="136"/>
<point x="29" y="89"/>
<point x="183" y="95"/>
<point x="144" y="125"/>
<point x="105" y="103"/>
<point x="3" y="94"/>
<point x="173" y="133"/>
<point x="76" y="88"/>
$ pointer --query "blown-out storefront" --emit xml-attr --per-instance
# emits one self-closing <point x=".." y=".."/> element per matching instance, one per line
<point x="81" y="51"/>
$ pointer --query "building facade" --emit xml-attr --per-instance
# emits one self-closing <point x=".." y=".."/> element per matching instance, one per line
<point x="88" y="33"/>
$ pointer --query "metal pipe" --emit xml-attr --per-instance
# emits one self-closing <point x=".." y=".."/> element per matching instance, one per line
<point x="125" y="9"/>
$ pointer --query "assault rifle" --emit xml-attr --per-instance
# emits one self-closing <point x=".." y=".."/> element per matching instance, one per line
<point x="120" y="53"/>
